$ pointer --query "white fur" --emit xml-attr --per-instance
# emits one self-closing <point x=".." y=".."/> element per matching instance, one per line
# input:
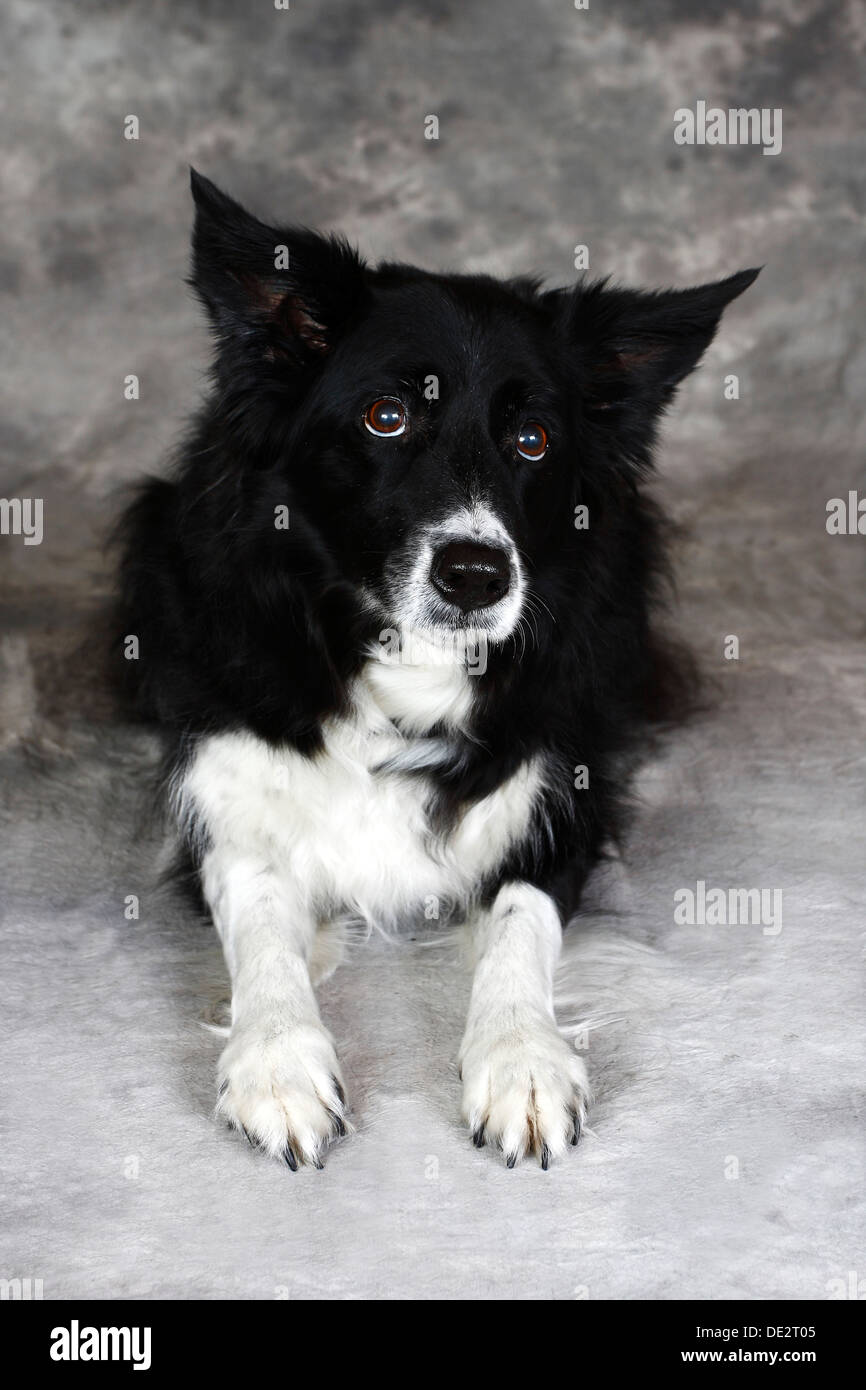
<point x="524" y="1087"/>
<point x="289" y="844"/>
<point x="416" y="603"/>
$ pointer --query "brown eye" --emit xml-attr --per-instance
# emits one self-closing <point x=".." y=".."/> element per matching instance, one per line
<point x="532" y="441"/>
<point x="386" y="416"/>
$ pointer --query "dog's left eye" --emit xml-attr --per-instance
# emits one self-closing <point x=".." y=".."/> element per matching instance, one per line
<point x="532" y="441"/>
<point x="387" y="416"/>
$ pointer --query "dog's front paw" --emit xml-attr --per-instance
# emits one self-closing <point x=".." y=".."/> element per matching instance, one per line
<point x="282" y="1088"/>
<point x="524" y="1087"/>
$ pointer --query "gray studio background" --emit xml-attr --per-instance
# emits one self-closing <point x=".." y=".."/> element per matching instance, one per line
<point x="714" y="1051"/>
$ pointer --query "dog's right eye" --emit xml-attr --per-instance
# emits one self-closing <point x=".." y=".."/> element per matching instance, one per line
<point x="386" y="417"/>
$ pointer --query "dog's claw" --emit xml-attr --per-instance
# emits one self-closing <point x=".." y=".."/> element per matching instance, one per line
<point x="545" y="1157"/>
<point x="479" y="1138"/>
<point x="575" y="1138"/>
<point x="290" y="1158"/>
<point x="511" y="1160"/>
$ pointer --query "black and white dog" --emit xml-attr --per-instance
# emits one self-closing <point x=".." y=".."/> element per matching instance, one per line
<point x="394" y="606"/>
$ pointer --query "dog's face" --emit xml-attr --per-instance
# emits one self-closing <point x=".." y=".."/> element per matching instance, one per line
<point x="442" y="435"/>
<point x="436" y="433"/>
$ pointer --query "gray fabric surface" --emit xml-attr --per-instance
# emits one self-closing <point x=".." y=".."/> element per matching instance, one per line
<point x="706" y="1044"/>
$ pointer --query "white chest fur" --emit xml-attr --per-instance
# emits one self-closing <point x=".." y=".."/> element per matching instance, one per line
<point x="350" y="825"/>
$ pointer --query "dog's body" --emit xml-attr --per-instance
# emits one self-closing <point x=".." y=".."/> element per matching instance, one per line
<point x="395" y="606"/>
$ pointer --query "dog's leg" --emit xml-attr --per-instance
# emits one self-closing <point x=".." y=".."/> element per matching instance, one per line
<point x="524" y="1087"/>
<point x="279" y="1076"/>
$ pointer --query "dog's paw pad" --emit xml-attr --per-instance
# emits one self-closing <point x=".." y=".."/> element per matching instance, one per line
<point x="524" y="1090"/>
<point x="282" y="1090"/>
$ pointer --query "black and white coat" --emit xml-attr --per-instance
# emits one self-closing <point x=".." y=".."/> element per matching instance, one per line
<point x="321" y="770"/>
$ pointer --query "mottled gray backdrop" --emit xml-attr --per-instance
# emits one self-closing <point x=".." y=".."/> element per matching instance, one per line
<point x="724" y="1157"/>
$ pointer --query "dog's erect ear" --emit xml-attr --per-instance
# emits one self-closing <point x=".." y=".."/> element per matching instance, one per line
<point x="637" y="347"/>
<point x="285" y="290"/>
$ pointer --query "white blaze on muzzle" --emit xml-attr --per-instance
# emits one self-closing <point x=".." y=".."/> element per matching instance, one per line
<point x="465" y="539"/>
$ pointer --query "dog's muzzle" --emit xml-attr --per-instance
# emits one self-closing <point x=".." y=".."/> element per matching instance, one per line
<point x="471" y="576"/>
<point x="460" y="574"/>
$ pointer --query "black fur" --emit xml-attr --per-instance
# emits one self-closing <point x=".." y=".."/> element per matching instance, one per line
<point x="244" y="625"/>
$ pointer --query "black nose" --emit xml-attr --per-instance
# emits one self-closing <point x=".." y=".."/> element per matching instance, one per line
<point x="471" y="576"/>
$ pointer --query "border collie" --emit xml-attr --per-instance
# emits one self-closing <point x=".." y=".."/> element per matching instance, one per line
<point x="394" y="609"/>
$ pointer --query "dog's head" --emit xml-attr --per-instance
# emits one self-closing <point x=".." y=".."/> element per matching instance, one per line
<point x="457" y="442"/>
